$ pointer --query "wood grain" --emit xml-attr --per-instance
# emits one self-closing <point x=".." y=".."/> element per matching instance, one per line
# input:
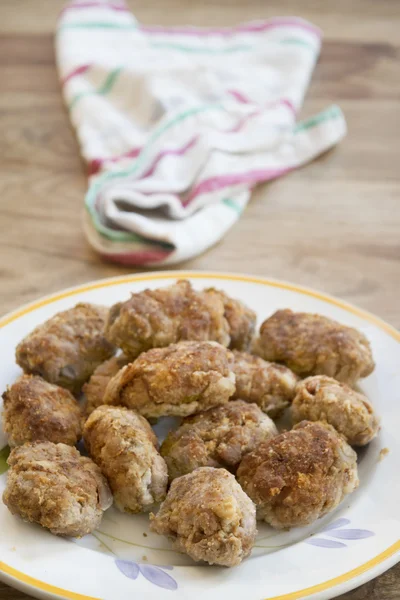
<point x="333" y="225"/>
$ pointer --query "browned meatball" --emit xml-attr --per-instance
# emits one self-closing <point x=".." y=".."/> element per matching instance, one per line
<point x="179" y="380"/>
<point x="157" y="318"/>
<point x="300" y="475"/>
<point x="322" y="398"/>
<point x="269" y="385"/>
<point x="315" y="345"/>
<point x="218" y="437"/>
<point x="124" y="446"/>
<point x="95" y="388"/>
<point x="67" y="348"/>
<point x="35" y="410"/>
<point x="54" y="486"/>
<point x="241" y="320"/>
<point x="207" y="515"/>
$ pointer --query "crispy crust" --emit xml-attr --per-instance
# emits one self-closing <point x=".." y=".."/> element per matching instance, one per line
<point x="179" y="380"/>
<point x="269" y="385"/>
<point x="322" y="398"/>
<point x="208" y="516"/>
<point x="35" y="410"/>
<point x="315" y="345"/>
<point x="67" y="348"/>
<point x="218" y="437"/>
<point x="124" y="446"/>
<point x="298" y="476"/>
<point x="95" y="388"/>
<point x="54" y="486"/>
<point x="158" y="318"/>
<point x="241" y="320"/>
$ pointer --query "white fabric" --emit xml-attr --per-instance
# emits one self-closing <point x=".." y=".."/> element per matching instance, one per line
<point x="179" y="125"/>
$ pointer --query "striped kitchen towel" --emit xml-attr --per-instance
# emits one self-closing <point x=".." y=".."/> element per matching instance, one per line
<point x="178" y="124"/>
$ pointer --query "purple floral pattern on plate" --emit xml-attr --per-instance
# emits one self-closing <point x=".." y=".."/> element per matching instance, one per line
<point x="335" y="530"/>
<point x="155" y="575"/>
<point x="323" y="543"/>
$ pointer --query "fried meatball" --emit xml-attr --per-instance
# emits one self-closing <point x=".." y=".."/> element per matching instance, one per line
<point x="315" y="345"/>
<point x="299" y="476"/>
<point x="158" y="318"/>
<point x="218" y="437"/>
<point x="124" y="446"/>
<point x="322" y="398"/>
<point x="208" y="516"/>
<point x="241" y="320"/>
<point x="269" y="385"/>
<point x="35" y="410"/>
<point x="54" y="486"/>
<point x="95" y="388"/>
<point x="67" y="348"/>
<point x="179" y="380"/>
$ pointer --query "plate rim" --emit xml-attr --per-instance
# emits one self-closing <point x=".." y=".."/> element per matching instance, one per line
<point x="344" y="582"/>
<point x="199" y="274"/>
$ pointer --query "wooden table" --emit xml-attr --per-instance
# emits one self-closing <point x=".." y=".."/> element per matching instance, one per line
<point x="333" y="225"/>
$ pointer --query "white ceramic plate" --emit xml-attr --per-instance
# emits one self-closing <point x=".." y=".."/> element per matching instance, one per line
<point x="357" y="542"/>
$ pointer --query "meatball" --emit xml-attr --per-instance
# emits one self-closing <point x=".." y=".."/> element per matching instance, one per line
<point x="269" y="385"/>
<point x="95" y="388"/>
<point x="35" y="410"/>
<point x="218" y="437"/>
<point x="157" y="318"/>
<point x="322" y="398"/>
<point x="241" y="320"/>
<point x="315" y="345"/>
<point x="67" y="348"/>
<point x="179" y="380"/>
<point x="124" y="446"/>
<point x="299" y="476"/>
<point x="54" y="486"/>
<point x="208" y="516"/>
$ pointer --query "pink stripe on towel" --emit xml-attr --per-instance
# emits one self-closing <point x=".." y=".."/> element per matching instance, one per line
<point x="221" y="181"/>
<point x="253" y="27"/>
<point x="94" y="166"/>
<point x="169" y="152"/>
<point x="141" y="257"/>
<point x="239" y="96"/>
<point x="74" y="73"/>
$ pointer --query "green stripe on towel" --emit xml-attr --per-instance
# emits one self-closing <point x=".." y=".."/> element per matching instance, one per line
<point x="102" y="91"/>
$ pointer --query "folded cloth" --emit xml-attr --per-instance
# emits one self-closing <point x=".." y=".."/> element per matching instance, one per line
<point x="178" y="124"/>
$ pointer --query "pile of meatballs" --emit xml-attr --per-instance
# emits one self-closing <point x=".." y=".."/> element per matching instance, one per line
<point x="105" y="375"/>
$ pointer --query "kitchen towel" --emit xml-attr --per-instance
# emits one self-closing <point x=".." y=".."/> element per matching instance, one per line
<point x="178" y="124"/>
